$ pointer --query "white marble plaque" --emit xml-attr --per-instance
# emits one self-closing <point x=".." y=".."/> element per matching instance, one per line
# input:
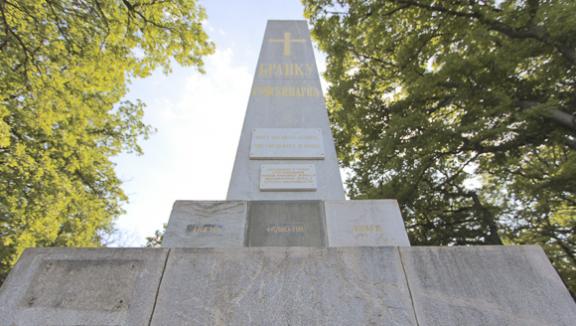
<point x="287" y="177"/>
<point x="357" y="223"/>
<point x="286" y="143"/>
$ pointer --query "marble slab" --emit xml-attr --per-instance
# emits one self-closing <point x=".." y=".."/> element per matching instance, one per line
<point x="486" y="285"/>
<point x="70" y="287"/>
<point x="284" y="286"/>
<point x="353" y="223"/>
<point x="286" y="224"/>
<point x="206" y="224"/>
<point x="288" y="177"/>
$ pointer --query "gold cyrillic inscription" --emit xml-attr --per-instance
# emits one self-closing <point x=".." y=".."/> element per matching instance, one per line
<point x="367" y="229"/>
<point x="286" y="91"/>
<point x="285" y="70"/>
<point x="203" y="228"/>
<point x="298" y="228"/>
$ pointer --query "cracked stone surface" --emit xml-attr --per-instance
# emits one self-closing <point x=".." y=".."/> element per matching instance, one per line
<point x="71" y="287"/>
<point x="483" y="285"/>
<point x="284" y="286"/>
<point x="486" y="285"/>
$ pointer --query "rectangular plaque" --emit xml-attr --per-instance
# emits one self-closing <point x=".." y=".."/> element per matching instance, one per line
<point x="357" y="223"/>
<point x="287" y="144"/>
<point x="285" y="224"/>
<point x="288" y="177"/>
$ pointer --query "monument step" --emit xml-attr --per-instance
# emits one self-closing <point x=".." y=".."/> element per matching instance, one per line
<point x="484" y="285"/>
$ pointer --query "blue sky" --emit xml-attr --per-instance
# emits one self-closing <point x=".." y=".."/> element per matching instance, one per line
<point x="198" y="119"/>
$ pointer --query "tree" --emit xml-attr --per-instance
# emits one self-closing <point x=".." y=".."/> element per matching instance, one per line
<point x="155" y="241"/>
<point x="462" y="110"/>
<point x="64" y="69"/>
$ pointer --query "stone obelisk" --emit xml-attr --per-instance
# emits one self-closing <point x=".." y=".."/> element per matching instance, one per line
<point x="286" y="150"/>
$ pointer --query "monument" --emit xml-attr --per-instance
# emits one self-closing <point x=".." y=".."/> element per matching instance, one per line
<point x="286" y="247"/>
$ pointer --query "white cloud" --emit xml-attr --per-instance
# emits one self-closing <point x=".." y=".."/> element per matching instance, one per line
<point x="191" y="156"/>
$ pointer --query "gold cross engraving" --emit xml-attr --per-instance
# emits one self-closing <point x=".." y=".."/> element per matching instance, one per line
<point x="287" y="40"/>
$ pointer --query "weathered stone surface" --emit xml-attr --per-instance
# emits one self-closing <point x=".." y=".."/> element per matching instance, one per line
<point x="285" y="93"/>
<point x="284" y="286"/>
<point x="206" y="224"/>
<point x="486" y="285"/>
<point x="353" y="223"/>
<point x="286" y="224"/>
<point x="66" y="287"/>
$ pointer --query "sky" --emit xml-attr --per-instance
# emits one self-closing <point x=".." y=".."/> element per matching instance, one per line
<point x="198" y="118"/>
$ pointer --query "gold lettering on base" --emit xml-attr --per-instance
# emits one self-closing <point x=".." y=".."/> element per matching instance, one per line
<point x="204" y="228"/>
<point x="367" y="229"/>
<point x="298" y="228"/>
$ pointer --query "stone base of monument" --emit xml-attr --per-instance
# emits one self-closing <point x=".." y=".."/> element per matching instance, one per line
<point x="65" y="286"/>
<point x="488" y="285"/>
<point x="289" y="223"/>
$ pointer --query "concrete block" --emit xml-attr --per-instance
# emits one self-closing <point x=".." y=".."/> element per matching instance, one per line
<point x="354" y="223"/>
<point x="206" y="224"/>
<point x="284" y="286"/>
<point x="69" y="287"/>
<point x="286" y="224"/>
<point x="486" y="285"/>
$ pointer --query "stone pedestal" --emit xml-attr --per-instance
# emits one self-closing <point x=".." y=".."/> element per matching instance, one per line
<point x="292" y="223"/>
<point x="448" y="286"/>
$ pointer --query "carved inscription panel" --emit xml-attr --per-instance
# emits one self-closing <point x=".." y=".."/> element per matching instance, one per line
<point x="287" y="177"/>
<point x="285" y="224"/>
<point x="286" y="143"/>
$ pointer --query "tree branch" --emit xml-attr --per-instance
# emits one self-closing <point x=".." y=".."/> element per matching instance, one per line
<point x="532" y="32"/>
<point x="557" y="115"/>
<point x="133" y="11"/>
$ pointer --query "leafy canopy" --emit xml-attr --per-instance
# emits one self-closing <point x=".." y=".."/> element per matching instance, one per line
<point x="64" y="68"/>
<point x="464" y="111"/>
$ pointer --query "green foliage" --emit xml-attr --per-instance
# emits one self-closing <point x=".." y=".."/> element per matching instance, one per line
<point x="64" y="68"/>
<point x="155" y="241"/>
<point x="464" y="111"/>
